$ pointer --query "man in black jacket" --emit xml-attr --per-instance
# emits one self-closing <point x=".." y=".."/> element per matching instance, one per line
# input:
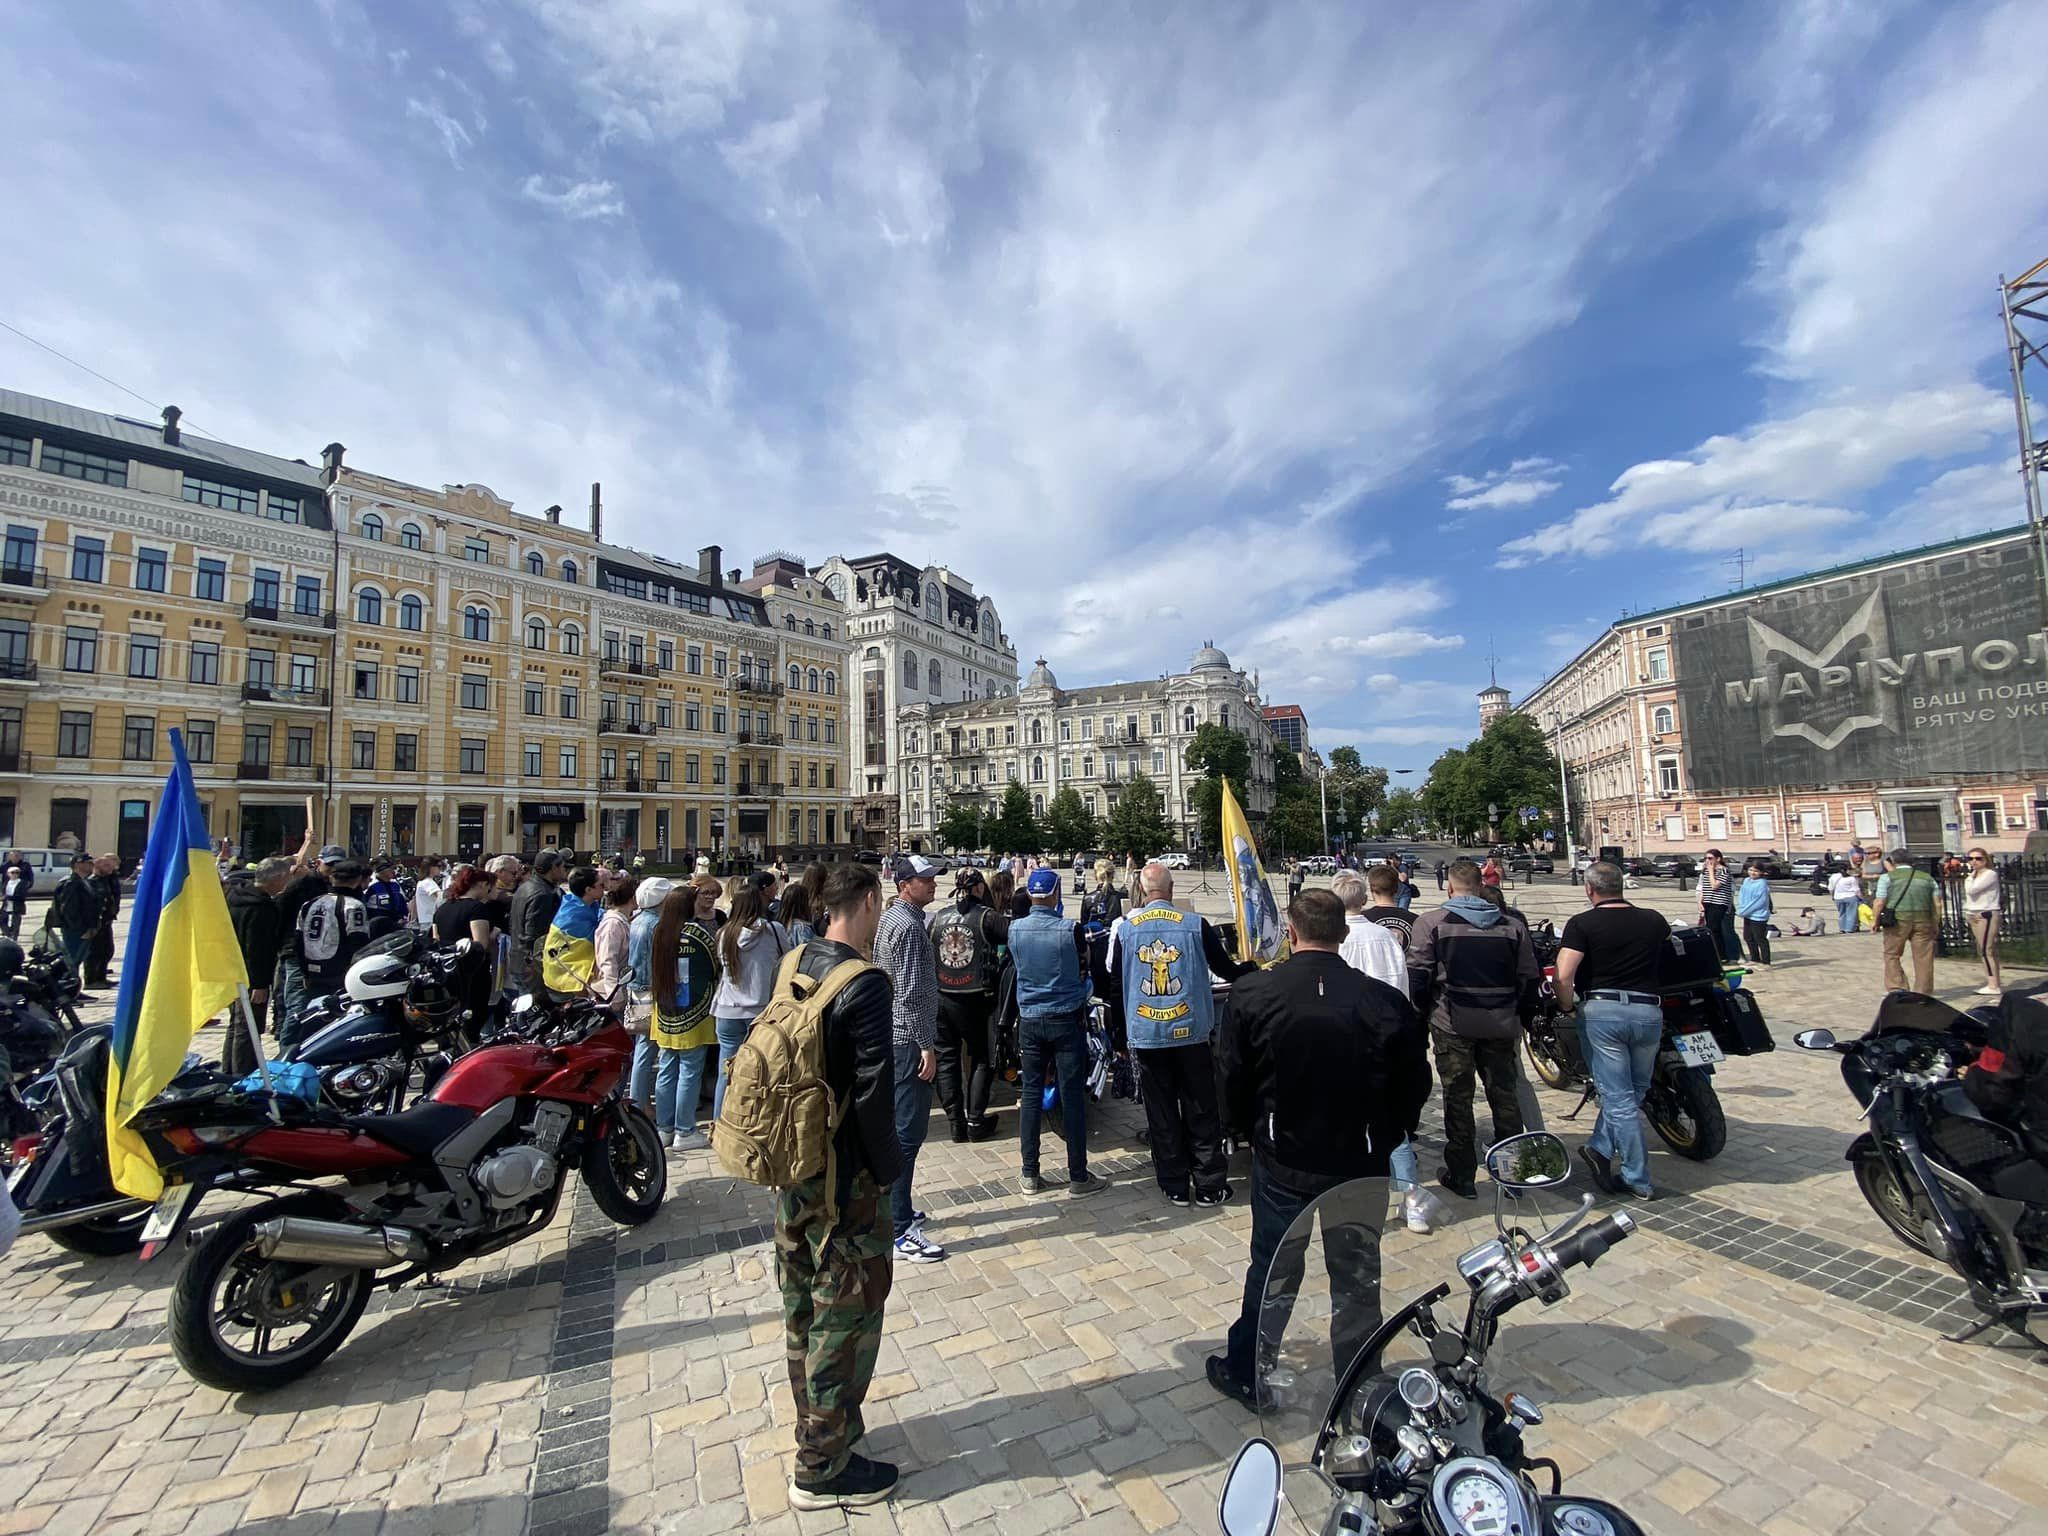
<point x="1324" y="1069"/>
<point x="260" y="935"/>
<point x="99" y="954"/>
<point x="533" y="910"/>
<point x="832" y="1257"/>
<point x="75" y="911"/>
<point x="2009" y="1079"/>
<point x="965" y="938"/>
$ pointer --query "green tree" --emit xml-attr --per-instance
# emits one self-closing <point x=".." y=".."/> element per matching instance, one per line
<point x="1296" y="825"/>
<point x="1137" y="827"/>
<point x="1218" y="754"/>
<point x="1016" y="829"/>
<point x="1355" y="790"/>
<point x="1402" y="815"/>
<point x="1069" y="825"/>
<point x="1509" y="766"/>
<point x="961" y="827"/>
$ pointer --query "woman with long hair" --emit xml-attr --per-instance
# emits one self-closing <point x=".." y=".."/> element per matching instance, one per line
<point x="1717" y="904"/>
<point x="1981" y="905"/>
<point x="750" y="946"/>
<point x="683" y="974"/>
<point x="795" y="914"/>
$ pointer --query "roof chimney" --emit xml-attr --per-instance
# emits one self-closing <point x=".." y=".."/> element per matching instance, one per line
<point x="330" y="462"/>
<point x="171" y="415"/>
<point x="596" y="512"/>
<point x="733" y="575"/>
<point x="708" y="559"/>
<point x="554" y="513"/>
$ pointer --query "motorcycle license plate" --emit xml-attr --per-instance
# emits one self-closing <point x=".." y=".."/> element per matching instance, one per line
<point x="171" y="1206"/>
<point x="1698" y="1050"/>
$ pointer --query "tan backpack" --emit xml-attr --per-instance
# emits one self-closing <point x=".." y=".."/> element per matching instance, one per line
<point x="777" y="1124"/>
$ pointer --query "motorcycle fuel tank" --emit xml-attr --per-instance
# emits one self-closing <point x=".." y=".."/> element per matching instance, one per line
<point x="361" y="1034"/>
<point x="483" y="1077"/>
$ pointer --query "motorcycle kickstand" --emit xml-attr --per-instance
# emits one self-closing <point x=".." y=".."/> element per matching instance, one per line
<point x="1584" y="1099"/>
<point x="430" y="1282"/>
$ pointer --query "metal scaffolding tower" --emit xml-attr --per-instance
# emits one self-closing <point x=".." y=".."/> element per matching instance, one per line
<point x="2025" y="299"/>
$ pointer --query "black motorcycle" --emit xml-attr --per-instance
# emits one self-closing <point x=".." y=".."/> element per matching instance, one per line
<point x="1704" y="1024"/>
<point x="1945" y="1177"/>
<point x="1403" y="1436"/>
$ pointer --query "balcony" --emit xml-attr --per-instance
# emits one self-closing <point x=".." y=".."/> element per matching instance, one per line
<point x="17" y="669"/>
<point x="748" y="790"/>
<point x="612" y="726"/>
<point x="617" y="666"/>
<point x="289" y="773"/>
<point x="759" y="686"/>
<point x="747" y="738"/>
<point x="624" y="784"/>
<point x="284" y="698"/>
<point x="287" y="618"/>
<point x="16" y="761"/>
<point x="23" y="583"/>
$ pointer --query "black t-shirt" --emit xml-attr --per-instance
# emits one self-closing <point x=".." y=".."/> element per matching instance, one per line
<point x="452" y="918"/>
<point x="302" y="889"/>
<point x="1622" y="944"/>
<point x="1400" y="922"/>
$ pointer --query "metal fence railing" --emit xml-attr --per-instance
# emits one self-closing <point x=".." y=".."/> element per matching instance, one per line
<point x="2023" y="903"/>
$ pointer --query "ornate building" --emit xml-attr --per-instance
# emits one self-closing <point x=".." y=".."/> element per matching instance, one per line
<point x="923" y="637"/>
<point x="1093" y="740"/>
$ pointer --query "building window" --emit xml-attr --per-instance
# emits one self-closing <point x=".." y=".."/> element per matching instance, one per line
<point x="530" y="760"/>
<point x="693" y="661"/>
<point x="409" y="536"/>
<point x="369" y="606"/>
<point x="209" y="582"/>
<point x="476" y="691"/>
<point x="665" y="657"/>
<point x="566" y="760"/>
<point x="1662" y="720"/>
<point x="718" y="770"/>
<point x="664" y="716"/>
<point x="203" y="664"/>
<point x="306" y="595"/>
<point x="229" y="498"/>
<point x="1667" y="775"/>
<point x="1187" y="719"/>
<point x="145" y="655"/>
<point x="569" y="572"/>
<point x="475" y="751"/>
<point x="718" y="664"/>
<point x="74" y="733"/>
<point x="934" y="682"/>
<point x="1158" y="760"/>
<point x="831" y="730"/>
<point x="1037" y="770"/>
<point x="796" y="678"/>
<point x="477" y="551"/>
<point x="256" y="745"/>
<point x="412" y="613"/>
<point x="152" y="570"/>
<point x="535" y="566"/>
<point x="690" y="769"/>
<point x="284" y="509"/>
<point x="81" y="649"/>
<point x="89" y="559"/>
<point x="1660" y="664"/>
<point x="572" y="640"/>
<point x="365" y="680"/>
<point x="535" y="699"/>
<point x="262" y="668"/>
<point x="693" y="716"/>
<point x="305" y="673"/>
<point x="536" y="634"/>
<point x="21" y="548"/>
<point x="13" y="450"/>
<point x="298" y="747"/>
<point x="373" y="527"/>
<point x="407" y="685"/>
<point x="811" y="681"/>
<point x="362" y="749"/>
<point x="1984" y="818"/>
<point x="263" y="588"/>
<point x="718" y="719"/>
<point x="199" y="740"/>
<point x="1087" y="765"/>
<point x="664" y="767"/>
<point x="405" y="752"/>
<point x="76" y="464"/>
<point x="571" y="703"/>
<point x="476" y="622"/>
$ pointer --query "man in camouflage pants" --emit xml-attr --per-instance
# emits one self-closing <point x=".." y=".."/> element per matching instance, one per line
<point x="832" y="1256"/>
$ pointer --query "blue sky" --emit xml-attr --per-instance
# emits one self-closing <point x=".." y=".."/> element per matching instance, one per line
<point x="1357" y="340"/>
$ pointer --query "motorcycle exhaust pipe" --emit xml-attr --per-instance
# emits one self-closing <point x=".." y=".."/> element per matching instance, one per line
<point x="300" y="1240"/>
<point x="50" y="1220"/>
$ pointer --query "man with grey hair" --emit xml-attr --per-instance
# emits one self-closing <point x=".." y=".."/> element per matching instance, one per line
<point x="533" y="911"/>
<point x="1609" y="957"/>
<point x="1160" y="973"/>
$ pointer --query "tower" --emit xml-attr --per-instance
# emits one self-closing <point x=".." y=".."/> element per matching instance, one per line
<point x="1493" y="699"/>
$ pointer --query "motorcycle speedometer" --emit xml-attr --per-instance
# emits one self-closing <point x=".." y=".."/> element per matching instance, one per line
<point x="1478" y="1497"/>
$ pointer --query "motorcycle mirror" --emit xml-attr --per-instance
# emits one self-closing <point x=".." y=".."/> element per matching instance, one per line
<point x="1815" y="1039"/>
<point x="1532" y="1160"/>
<point x="523" y="1003"/>
<point x="1250" y="1505"/>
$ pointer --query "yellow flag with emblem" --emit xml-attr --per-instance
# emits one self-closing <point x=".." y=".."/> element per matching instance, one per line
<point x="1261" y="936"/>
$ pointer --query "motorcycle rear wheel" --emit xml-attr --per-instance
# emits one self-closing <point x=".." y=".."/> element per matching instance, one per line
<point x="1683" y="1108"/>
<point x="1896" y="1206"/>
<point x="225" y="1281"/>
<point x="627" y="1172"/>
<point x="1544" y="1058"/>
<point x="104" y="1237"/>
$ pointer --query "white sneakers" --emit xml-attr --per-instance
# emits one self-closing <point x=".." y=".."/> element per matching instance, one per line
<point x="692" y="1140"/>
<point x="1987" y="990"/>
<point x="913" y="1247"/>
<point x="1415" y="1211"/>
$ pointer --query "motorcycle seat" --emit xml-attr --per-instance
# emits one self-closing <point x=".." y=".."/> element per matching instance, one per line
<point x="417" y="1131"/>
<point x="2025" y="1179"/>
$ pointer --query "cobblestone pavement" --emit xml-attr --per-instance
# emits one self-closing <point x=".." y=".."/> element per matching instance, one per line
<point x="1762" y="1357"/>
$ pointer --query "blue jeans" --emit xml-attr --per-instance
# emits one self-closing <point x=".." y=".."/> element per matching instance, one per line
<point x="1406" y="1170"/>
<point x="732" y="1034"/>
<point x="913" y="1119"/>
<point x="1062" y="1043"/>
<point x="1621" y="1041"/>
<point x="646" y="1055"/>
<point x="677" y="1086"/>
<point x="1845" y="912"/>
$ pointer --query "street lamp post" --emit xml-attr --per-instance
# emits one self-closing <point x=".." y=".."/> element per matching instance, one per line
<point x="1565" y="793"/>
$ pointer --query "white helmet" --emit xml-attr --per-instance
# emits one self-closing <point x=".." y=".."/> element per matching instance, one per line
<point x="376" y="975"/>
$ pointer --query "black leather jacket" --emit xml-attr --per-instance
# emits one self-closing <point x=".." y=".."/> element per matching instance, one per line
<point x="2010" y="1080"/>
<point x="860" y="1060"/>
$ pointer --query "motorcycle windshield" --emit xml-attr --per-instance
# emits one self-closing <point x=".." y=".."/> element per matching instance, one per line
<point x="1912" y="1011"/>
<point x="1320" y="1311"/>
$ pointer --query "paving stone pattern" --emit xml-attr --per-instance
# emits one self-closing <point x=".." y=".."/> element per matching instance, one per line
<point x="1762" y="1356"/>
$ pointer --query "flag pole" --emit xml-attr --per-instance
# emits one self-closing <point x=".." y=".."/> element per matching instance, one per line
<point x="247" y="1008"/>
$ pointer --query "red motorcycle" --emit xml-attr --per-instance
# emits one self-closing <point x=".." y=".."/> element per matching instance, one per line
<point x="476" y="1166"/>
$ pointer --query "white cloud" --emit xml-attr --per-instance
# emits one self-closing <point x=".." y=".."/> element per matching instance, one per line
<point x="1775" y="481"/>
<point x="1521" y="483"/>
<point x="455" y="138"/>
<point x="574" y="199"/>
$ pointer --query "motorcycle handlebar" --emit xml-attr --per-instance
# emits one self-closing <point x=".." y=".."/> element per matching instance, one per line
<point x="1589" y="1245"/>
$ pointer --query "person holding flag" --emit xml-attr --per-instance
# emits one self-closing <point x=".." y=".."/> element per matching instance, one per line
<point x="568" y="955"/>
<point x="1261" y="938"/>
<point x="181" y="968"/>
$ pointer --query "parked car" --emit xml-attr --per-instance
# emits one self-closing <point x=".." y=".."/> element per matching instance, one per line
<point x="1172" y="860"/>
<point x="1668" y="866"/>
<point x="1775" y="866"/>
<point x="1533" y="864"/>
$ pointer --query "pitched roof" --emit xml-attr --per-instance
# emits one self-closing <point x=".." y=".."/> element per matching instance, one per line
<point x="150" y="435"/>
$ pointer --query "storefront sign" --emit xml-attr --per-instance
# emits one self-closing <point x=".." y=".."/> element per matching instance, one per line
<point x="550" y="810"/>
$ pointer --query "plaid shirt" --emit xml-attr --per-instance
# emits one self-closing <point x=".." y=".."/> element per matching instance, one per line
<point x="903" y="948"/>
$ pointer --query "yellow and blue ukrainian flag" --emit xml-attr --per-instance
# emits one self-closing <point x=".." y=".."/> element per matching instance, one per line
<point x="182" y="967"/>
<point x="1261" y="936"/>
<point x="568" y="955"/>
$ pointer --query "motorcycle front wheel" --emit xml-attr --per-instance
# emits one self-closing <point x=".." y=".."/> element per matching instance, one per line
<point x="1683" y="1108"/>
<point x="627" y="1172"/>
<point x="1897" y="1206"/>
<point x="243" y="1323"/>
<point x="1545" y="1057"/>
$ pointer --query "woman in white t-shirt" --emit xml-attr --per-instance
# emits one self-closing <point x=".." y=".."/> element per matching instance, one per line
<point x="1847" y="892"/>
<point x="427" y="892"/>
<point x="1981" y="906"/>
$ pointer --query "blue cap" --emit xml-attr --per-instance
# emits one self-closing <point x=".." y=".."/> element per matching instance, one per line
<point x="1043" y="882"/>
